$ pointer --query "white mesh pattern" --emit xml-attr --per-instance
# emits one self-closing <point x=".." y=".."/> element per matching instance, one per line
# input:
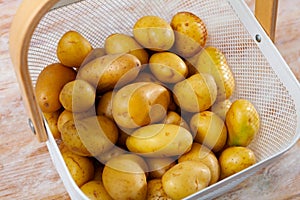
<point x="255" y="78"/>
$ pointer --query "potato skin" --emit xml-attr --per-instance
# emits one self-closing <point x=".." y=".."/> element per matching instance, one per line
<point x="110" y="71"/>
<point x="104" y="106"/>
<point x="201" y="153"/>
<point x="81" y="168"/>
<point x="196" y="93"/>
<point x="235" y="159"/>
<point x="49" y="84"/>
<point x="159" y="166"/>
<point x="140" y="104"/>
<point x="154" y="33"/>
<point x="52" y="120"/>
<point x="95" y="190"/>
<point x="174" y="118"/>
<point x="155" y="190"/>
<point x="72" y="49"/>
<point x="190" y="33"/>
<point x="185" y="178"/>
<point x="160" y="140"/>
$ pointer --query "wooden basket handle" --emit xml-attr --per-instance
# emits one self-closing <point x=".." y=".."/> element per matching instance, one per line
<point x="26" y="19"/>
<point x="266" y="14"/>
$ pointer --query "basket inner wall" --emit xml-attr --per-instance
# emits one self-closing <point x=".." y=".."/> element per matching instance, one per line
<point x="255" y="78"/>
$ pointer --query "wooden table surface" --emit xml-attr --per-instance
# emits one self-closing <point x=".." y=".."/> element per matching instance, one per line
<point x="27" y="172"/>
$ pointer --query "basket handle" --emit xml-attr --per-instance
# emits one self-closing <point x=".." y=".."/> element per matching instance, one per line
<point x="266" y="13"/>
<point x="26" y="19"/>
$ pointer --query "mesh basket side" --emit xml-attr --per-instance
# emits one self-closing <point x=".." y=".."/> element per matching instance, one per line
<point x="255" y="78"/>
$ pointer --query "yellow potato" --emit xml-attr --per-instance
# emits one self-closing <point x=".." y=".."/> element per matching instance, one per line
<point x="209" y="129"/>
<point x="185" y="178"/>
<point x="95" y="53"/>
<point x="235" y="159"/>
<point x="111" y="153"/>
<point x="49" y="84"/>
<point x="72" y="49"/>
<point x="174" y="118"/>
<point x="159" y="166"/>
<point x="64" y="117"/>
<point x="201" y="153"/>
<point x="52" y="120"/>
<point x="140" y="104"/>
<point x="211" y="60"/>
<point x="77" y="96"/>
<point x="221" y="108"/>
<point x="95" y="190"/>
<point x="90" y="136"/>
<point x="190" y="33"/>
<point x="155" y="190"/>
<point x="104" y="106"/>
<point x="110" y="71"/>
<point x="81" y="168"/>
<point x="168" y="67"/>
<point x="146" y="77"/>
<point x="243" y="123"/>
<point x="160" y="140"/>
<point x="196" y="93"/>
<point x="121" y="43"/>
<point x="154" y="33"/>
<point x="124" y="178"/>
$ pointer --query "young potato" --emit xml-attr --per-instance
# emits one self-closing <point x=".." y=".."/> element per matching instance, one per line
<point x="221" y="108"/>
<point x="211" y="60"/>
<point x="160" y="140"/>
<point x="81" y="168"/>
<point x="174" y="118"/>
<point x="64" y="117"/>
<point x="121" y="43"/>
<point x="124" y="178"/>
<point x="49" y="84"/>
<point x="201" y="153"/>
<point x="167" y="67"/>
<point x="209" y="129"/>
<point x="140" y="104"/>
<point x="235" y="159"/>
<point x="90" y="136"/>
<point x="95" y="53"/>
<point x="110" y="71"/>
<point x="190" y="33"/>
<point x="95" y="190"/>
<point x="104" y="106"/>
<point x="52" y="120"/>
<point x="243" y="123"/>
<point x="77" y="96"/>
<point x="146" y="77"/>
<point x="155" y="190"/>
<point x="111" y="153"/>
<point x="185" y="178"/>
<point x="72" y="49"/>
<point x="196" y="93"/>
<point x="159" y="166"/>
<point x="154" y="33"/>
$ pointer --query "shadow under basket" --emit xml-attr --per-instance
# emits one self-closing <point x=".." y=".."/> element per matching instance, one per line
<point x="261" y="74"/>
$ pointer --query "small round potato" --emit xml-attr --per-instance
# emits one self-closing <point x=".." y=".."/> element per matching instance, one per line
<point x="155" y="190"/>
<point x="52" y="120"/>
<point x="160" y="140"/>
<point x="168" y="67"/>
<point x="81" y="168"/>
<point x="49" y="84"/>
<point x="140" y="104"/>
<point x="174" y="118"/>
<point x="235" y="159"/>
<point x="77" y="96"/>
<point x="124" y="178"/>
<point x="72" y="49"/>
<point x="95" y="190"/>
<point x="209" y="129"/>
<point x="104" y="106"/>
<point x="201" y="153"/>
<point x="185" y="178"/>
<point x="64" y="117"/>
<point x="190" y="33"/>
<point x="159" y="166"/>
<point x="121" y="43"/>
<point x="196" y="93"/>
<point x="154" y="33"/>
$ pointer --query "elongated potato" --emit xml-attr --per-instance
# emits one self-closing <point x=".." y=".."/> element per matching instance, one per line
<point x="52" y="120"/>
<point x="160" y="140"/>
<point x="110" y="71"/>
<point x="49" y="84"/>
<point x="140" y="104"/>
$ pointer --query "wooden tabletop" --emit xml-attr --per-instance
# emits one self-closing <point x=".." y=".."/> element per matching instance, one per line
<point x="26" y="169"/>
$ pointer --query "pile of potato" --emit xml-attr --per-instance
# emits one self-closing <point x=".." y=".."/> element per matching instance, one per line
<point x="147" y="116"/>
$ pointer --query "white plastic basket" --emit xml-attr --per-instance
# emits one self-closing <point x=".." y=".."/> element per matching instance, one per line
<point x="261" y="74"/>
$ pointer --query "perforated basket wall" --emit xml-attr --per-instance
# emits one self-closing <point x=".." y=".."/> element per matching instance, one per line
<point x="255" y="79"/>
